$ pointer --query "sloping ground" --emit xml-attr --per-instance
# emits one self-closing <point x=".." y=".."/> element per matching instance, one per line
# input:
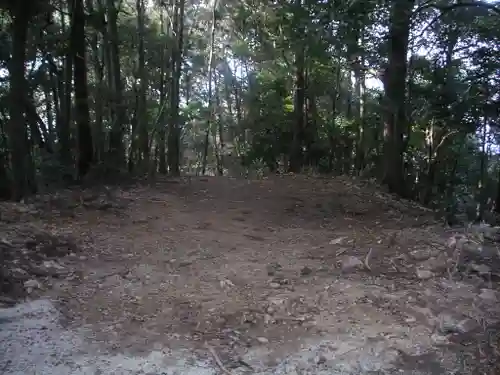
<point x="286" y="275"/>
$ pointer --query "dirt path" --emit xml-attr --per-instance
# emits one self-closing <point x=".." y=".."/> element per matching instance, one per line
<point x="288" y="275"/>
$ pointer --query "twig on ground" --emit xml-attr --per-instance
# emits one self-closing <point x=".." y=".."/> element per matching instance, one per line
<point x="293" y="318"/>
<point x="217" y="359"/>
<point x="393" y="264"/>
<point x="367" y="260"/>
<point x="340" y="252"/>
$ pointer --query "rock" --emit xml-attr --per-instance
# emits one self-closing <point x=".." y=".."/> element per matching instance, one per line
<point x="436" y="264"/>
<point x="467" y="325"/>
<point x="305" y="271"/>
<point x="448" y="323"/>
<point x="48" y="268"/>
<point x="18" y="273"/>
<point x="262" y="340"/>
<point x="464" y="244"/>
<point x="337" y="241"/>
<point x="31" y="285"/>
<point x="350" y="263"/>
<point x="274" y="285"/>
<point x="481" y="269"/>
<point x="438" y="339"/>
<point x="486" y="231"/>
<point x="420" y="255"/>
<point x="50" y="264"/>
<point x="321" y="359"/>
<point x="273" y="268"/>
<point x="488" y="294"/>
<point x="423" y="274"/>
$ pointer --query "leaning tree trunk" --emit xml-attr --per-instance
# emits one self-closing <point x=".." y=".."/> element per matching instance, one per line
<point x="82" y="117"/>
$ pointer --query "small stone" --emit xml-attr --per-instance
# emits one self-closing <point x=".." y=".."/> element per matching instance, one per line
<point x="481" y="269"/>
<point x="305" y="271"/>
<point x="447" y="323"/>
<point x="465" y="244"/>
<point x="82" y="257"/>
<point x="436" y="264"/>
<point x="420" y="255"/>
<point x="50" y="264"/>
<point x="424" y="274"/>
<point x="274" y="285"/>
<point x="488" y="294"/>
<point x="262" y="340"/>
<point x="350" y="263"/>
<point x="337" y="241"/>
<point x="467" y="325"/>
<point x="268" y="319"/>
<point x="32" y="284"/>
<point x="321" y="359"/>
<point x="19" y="273"/>
<point x="410" y="319"/>
<point x="438" y="339"/>
<point x="450" y="324"/>
<point x="273" y="268"/>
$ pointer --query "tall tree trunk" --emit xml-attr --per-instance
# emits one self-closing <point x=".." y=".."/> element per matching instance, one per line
<point x="16" y="125"/>
<point x="98" y="67"/>
<point x="162" y="136"/>
<point x="49" y="110"/>
<point x="64" y="122"/>
<point x="219" y="149"/>
<point x="174" y="134"/>
<point x="359" y="88"/>
<point x="481" y="195"/>
<point x="82" y="117"/>
<point x="116" y="146"/>
<point x="298" y="129"/>
<point x="497" y="201"/>
<point x="210" y="78"/>
<point x="395" y="96"/>
<point x="142" y="121"/>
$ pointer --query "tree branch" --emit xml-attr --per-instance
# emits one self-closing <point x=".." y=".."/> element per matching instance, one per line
<point x="449" y="8"/>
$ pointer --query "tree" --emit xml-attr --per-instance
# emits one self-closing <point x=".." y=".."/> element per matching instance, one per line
<point x="346" y="87"/>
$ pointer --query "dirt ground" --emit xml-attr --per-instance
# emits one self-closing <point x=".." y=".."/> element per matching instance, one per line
<point x="284" y="275"/>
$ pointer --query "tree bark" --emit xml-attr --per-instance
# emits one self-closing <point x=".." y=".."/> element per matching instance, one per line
<point x="174" y="134"/>
<point x="298" y="129"/>
<point x="210" y="99"/>
<point x="116" y="146"/>
<point x="82" y="117"/>
<point x="16" y="125"/>
<point x="395" y="96"/>
<point x="142" y="118"/>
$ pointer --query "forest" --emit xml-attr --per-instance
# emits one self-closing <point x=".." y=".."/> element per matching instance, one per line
<point x="405" y="92"/>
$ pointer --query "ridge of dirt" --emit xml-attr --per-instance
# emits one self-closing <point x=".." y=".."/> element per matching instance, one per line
<point x="284" y="275"/>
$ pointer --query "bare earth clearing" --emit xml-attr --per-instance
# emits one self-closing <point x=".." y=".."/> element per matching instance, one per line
<point x="286" y="275"/>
